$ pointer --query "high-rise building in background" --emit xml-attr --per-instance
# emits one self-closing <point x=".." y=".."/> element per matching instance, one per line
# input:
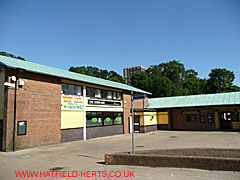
<point x="128" y="72"/>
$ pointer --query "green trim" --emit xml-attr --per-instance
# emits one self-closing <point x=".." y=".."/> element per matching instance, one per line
<point x="50" y="71"/>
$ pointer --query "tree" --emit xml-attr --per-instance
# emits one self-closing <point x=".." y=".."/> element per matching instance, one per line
<point x="96" y="72"/>
<point x="159" y="86"/>
<point x="221" y="80"/>
<point x="140" y="80"/>
<point x="11" y="55"/>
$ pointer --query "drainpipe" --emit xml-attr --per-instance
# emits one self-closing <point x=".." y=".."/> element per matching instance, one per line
<point x="15" y="113"/>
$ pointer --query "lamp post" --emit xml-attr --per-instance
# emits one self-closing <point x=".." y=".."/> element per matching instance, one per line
<point x="133" y="140"/>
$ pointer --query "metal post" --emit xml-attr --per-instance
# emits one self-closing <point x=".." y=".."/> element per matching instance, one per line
<point x="133" y="141"/>
<point x="14" y="118"/>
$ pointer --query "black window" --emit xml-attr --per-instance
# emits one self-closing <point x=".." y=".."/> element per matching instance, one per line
<point x="202" y="119"/>
<point x="117" y="118"/>
<point x="210" y="117"/>
<point x="109" y="94"/>
<point x="88" y="91"/>
<point x="21" y="128"/>
<point x="119" y="96"/>
<point x="235" y="116"/>
<point x="70" y="89"/>
<point x="64" y="88"/>
<point x="104" y="94"/>
<point x="78" y="90"/>
<point x="94" y="119"/>
<point x="103" y="119"/>
<point x="191" y="118"/>
<point x="108" y="119"/>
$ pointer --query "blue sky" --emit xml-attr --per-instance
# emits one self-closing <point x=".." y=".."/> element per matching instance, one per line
<point x="113" y="34"/>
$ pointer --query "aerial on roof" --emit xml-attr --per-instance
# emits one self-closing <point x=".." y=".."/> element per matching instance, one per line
<point x="47" y="70"/>
<point x="232" y="98"/>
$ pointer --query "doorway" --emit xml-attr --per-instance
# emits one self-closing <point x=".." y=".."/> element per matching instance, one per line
<point x="225" y="120"/>
<point x="137" y="123"/>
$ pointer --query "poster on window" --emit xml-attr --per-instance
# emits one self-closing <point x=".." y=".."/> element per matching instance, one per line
<point x="72" y="102"/>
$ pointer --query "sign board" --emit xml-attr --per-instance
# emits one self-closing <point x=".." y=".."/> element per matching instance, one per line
<point x="107" y="103"/>
<point x="9" y="84"/>
<point x="72" y="102"/>
<point x="138" y="96"/>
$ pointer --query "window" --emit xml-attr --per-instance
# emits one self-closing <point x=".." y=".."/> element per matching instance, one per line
<point x="78" y="90"/>
<point x="94" y="119"/>
<point x="21" y="128"/>
<point x="108" y="119"/>
<point x="64" y="88"/>
<point x="97" y="93"/>
<point x="119" y="96"/>
<point x="114" y="95"/>
<point x="88" y="89"/>
<point x="210" y="117"/>
<point x="109" y="95"/>
<point x="104" y="94"/>
<point x="235" y="116"/>
<point x="103" y="119"/>
<point x="70" y="89"/>
<point x="117" y="118"/>
<point x="202" y="119"/>
<point x="191" y="118"/>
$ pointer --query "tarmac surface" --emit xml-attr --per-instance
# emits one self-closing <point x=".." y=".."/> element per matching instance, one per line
<point x="86" y="158"/>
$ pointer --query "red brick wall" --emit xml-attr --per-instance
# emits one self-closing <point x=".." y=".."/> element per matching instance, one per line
<point x="38" y="103"/>
<point x="126" y="111"/>
<point x="179" y="121"/>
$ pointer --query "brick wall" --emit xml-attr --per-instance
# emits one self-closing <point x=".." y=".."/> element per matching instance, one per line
<point x="101" y="131"/>
<point x="74" y="134"/>
<point x="179" y="121"/>
<point x="126" y="111"/>
<point x="38" y="103"/>
<point x="137" y="104"/>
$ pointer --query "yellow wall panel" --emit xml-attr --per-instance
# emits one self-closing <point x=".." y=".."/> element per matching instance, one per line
<point x="2" y="79"/>
<point x="162" y="117"/>
<point x="1" y="114"/>
<point x="236" y="125"/>
<point x="72" y="119"/>
<point x="150" y="118"/>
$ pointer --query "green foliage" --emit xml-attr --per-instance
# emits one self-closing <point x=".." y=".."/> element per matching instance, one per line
<point x="173" y="79"/>
<point x="99" y="73"/>
<point x="140" y="80"/>
<point x="11" y="55"/>
<point x="221" y="80"/>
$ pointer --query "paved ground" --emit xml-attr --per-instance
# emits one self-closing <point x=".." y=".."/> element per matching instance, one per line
<point x="89" y="156"/>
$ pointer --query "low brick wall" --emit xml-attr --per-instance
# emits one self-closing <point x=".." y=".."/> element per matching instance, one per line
<point x="144" y="129"/>
<point x="101" y="131"/>
<point x="208" y="163"/>
<point x="71" y="134"/>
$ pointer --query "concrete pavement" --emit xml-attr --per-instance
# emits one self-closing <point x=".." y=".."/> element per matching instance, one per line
<point x="89" y="156"/>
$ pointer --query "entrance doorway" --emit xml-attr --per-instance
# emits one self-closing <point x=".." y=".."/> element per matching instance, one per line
<point x="225" y="120"/>
<point x="136" y="123"/>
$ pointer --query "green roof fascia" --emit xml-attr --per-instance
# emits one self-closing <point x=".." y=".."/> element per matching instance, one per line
<point x="51" y="71"/>
<point x="232" y="98"/>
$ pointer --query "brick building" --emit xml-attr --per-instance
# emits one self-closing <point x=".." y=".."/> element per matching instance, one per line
<point x="54" y="105"/>
<point x="198" y="112"/>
